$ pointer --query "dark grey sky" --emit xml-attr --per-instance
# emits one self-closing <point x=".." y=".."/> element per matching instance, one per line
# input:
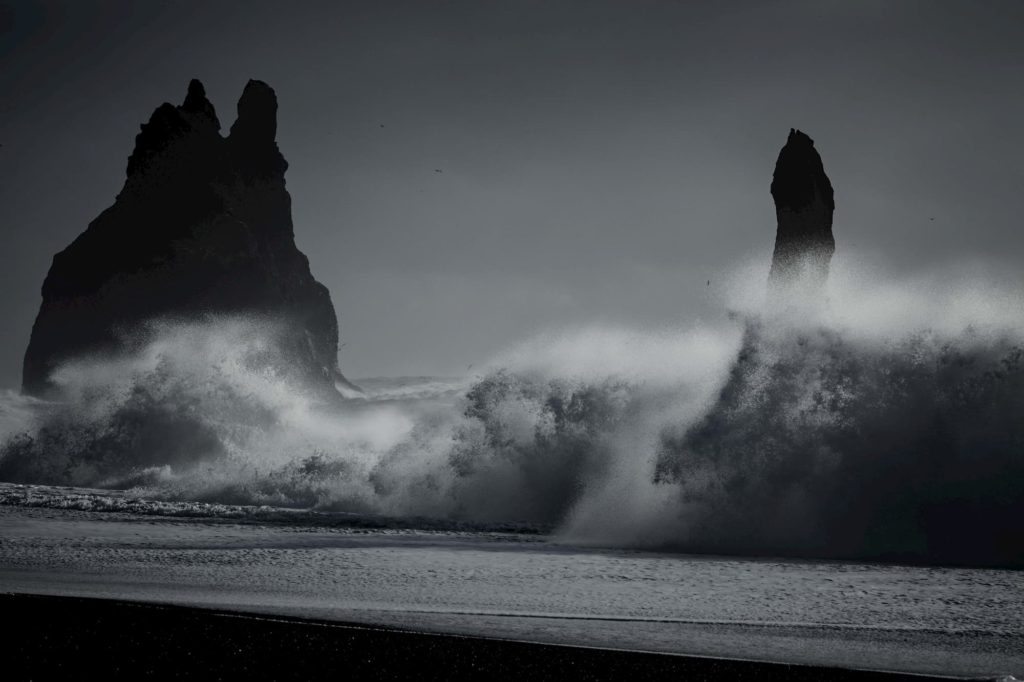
<point x="601" y="160"/>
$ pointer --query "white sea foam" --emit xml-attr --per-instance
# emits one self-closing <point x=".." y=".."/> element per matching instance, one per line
<point x="882" y="421"/>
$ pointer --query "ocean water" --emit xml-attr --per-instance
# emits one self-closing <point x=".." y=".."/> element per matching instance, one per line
<point x="513" y="583"/>
<point x="836" y="480"/>
<point x="879" y="421"/>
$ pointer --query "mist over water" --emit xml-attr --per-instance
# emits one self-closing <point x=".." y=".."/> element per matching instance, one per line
<point x="884" y="421"/>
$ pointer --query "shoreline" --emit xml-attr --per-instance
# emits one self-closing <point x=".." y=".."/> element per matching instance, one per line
<point x="51" y="636"/>
<point x="127" y="504"/>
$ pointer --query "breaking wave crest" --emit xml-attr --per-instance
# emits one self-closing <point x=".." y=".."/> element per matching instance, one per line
<point x="886" y="423"/>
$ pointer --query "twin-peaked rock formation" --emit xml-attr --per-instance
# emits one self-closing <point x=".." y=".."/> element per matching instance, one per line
<point x="201" y="227"/>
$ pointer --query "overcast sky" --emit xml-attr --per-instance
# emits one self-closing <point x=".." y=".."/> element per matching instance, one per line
<point x="600" y="160"/>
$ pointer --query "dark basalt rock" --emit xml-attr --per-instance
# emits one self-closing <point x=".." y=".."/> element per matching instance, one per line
<point x="803" y="208"/>
<point x="202" y="226"/>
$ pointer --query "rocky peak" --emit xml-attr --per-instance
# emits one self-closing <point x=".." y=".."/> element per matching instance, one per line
<point x="257" y="114"/>
<point x="804" y="204"/>
<point x="201" y="227"/>
<point x="253" y="134"/>
<point x="198" y="106"/>
<point x="179" y="148"/>
<point x="799" y="176"/>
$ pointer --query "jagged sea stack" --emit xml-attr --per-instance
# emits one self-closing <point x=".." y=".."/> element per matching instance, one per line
<point x="803" y="208"/>
<point x="202" y="226"/>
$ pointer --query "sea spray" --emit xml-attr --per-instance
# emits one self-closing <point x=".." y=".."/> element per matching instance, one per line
<point x="883" y="423"/>
<point x="826" y="447"/>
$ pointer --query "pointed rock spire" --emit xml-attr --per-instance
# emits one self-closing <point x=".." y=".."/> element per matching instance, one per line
<point x="179" y="145"/>
<point x="257" y="113"/>
<point x="196" y="103"/>
<point x="803" y="208"/>
<point x="254" y="132"/>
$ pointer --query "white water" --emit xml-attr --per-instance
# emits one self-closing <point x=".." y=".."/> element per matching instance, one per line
<point x="946" y="621"/>
<point x="885" y="423"/>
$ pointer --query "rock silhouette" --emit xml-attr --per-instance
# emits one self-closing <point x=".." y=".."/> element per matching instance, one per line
<point x="201" y="227"/>
<point x="803" y="208"/>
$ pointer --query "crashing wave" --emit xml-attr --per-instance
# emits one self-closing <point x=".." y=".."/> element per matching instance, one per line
<point x="883" y="424"/>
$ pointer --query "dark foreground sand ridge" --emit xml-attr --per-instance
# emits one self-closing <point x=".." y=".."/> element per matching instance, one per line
<point x="61" y="636"/>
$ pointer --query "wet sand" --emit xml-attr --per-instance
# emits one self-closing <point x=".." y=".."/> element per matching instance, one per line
<point x="514" y="587"/>
<point x="66" y="637"/>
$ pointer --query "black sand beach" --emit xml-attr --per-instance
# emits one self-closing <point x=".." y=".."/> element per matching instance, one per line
<point x="62" y="637"/>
